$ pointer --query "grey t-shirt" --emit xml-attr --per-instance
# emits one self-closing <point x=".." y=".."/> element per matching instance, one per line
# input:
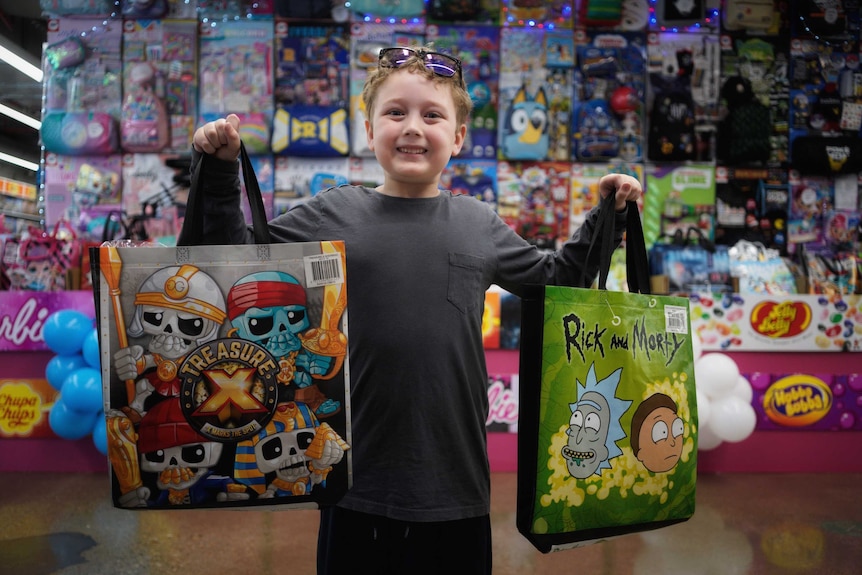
<point x="417" y="272"/>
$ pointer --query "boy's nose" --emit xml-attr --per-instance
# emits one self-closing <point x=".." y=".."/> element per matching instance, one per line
<point x="411" y="125"/>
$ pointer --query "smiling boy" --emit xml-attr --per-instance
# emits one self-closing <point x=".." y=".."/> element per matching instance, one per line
<point x="419" y="261"/>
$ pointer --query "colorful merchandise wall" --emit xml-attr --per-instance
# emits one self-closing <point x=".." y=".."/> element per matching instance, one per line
<point x="742" y="124"/>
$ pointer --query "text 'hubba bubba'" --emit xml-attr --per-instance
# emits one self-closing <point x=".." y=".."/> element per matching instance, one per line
<point x="797" y="400"/>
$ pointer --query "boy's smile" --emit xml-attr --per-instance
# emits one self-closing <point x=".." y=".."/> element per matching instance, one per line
<point x="413" y="133"/>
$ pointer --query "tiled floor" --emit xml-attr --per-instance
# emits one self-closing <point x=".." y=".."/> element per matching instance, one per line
<point x="766" y="523"/>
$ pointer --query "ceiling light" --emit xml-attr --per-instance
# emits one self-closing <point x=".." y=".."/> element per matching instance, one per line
<point x="18" y="62"/>
<point x="21" y="117"/>
<point x="32" y="166"/>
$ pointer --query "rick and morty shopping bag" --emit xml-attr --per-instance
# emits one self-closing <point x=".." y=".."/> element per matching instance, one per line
<point x="607" y="436"/>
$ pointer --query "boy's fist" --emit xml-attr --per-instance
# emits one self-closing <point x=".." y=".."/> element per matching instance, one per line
<point x="627" y="187"/>
<point x="219" y="138"/>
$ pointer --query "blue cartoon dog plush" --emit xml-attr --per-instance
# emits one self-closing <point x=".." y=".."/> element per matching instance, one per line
<point x="525" y="130"/>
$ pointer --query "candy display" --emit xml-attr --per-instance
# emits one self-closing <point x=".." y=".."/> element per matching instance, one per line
<point x="735" y="322"/>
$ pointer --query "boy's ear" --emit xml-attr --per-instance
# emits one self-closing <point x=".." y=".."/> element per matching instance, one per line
<point x="460" y="135"/>
<point x="369" y="135"/>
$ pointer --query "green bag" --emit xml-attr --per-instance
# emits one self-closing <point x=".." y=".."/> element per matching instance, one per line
<point x="607" y="439"/>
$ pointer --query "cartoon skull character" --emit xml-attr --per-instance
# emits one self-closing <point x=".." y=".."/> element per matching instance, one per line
<point x="269" y="308"/>
<point x="292" y="454"/>
<point x="179" y="308"/>
<point x="181" y="459"/>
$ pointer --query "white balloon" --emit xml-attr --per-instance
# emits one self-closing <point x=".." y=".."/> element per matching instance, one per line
<point x="707" y="439"/>
<point x="715" y="374"/>
<point x="696" y="346"/>
<point x="704" y="408"/>
<point x="743" y="389"/>
<point x="732" y="419"/>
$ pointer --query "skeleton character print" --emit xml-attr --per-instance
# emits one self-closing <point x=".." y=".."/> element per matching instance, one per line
<point x="179" y="308"/>
<point x="292" y="454"/>
<point x="221" y="373"/>
<point x="183" y="463"/>
<point x="269" y="308"/>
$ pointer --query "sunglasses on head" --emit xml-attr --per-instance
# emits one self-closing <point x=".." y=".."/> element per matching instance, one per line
<point x="441" y="64"/>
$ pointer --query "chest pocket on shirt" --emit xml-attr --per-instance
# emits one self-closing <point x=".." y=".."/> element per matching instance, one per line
<point x="465" y="281"/>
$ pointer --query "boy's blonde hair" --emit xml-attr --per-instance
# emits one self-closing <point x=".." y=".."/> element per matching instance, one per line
<point x="415" y="65"/>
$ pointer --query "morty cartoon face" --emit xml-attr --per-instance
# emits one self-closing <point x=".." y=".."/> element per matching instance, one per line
<point x="588" y="431"/>
<point x="656" y="434"/>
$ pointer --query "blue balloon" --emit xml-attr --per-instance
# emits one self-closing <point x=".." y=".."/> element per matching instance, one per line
<point x="100" y="434"/>
<point x="61" y="366"/>
<point x="82" y="390"/>
<point x="91" y="349"/>
<point x="64" y="331"/>
<point x="70" y="424"/>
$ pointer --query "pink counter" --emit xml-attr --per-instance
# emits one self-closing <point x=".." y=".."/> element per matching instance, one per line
<point x="788" y="451"/>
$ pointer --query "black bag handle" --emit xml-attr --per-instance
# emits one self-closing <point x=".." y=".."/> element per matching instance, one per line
<point x="113" y="226"/>
<point x="677" y="238"/>
<point x="193" y="222"/>
<point x="637" y="262"/>
<point x="697" y="236"/>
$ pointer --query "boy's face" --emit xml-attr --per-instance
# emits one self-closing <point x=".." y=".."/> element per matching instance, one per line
<point x="414" y="132"/>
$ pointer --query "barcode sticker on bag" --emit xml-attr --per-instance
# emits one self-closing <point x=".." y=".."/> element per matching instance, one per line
<point x="323" y="269"/>
<point x="675" y="320"/>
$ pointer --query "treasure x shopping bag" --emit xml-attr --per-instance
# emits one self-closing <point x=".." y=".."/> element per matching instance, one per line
<point x="225" y="373"/>
<point x="607" y="436"/>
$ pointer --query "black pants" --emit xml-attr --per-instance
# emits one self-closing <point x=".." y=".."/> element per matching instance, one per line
<point x="356" y="543"/>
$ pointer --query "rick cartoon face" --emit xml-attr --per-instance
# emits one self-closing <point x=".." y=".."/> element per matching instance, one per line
<point x="594" y="426"/>
<point x="588" y="432"/>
